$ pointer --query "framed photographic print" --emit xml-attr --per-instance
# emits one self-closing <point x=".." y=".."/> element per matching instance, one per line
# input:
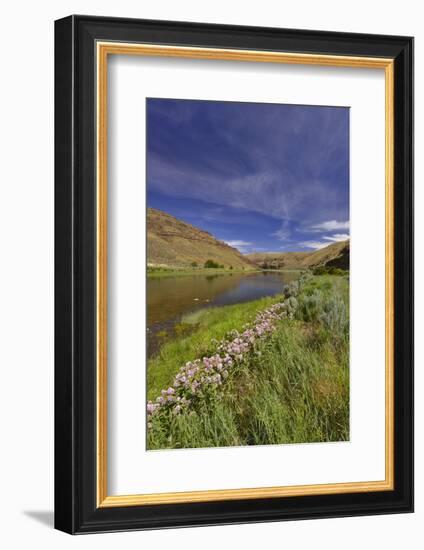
<point x="234" y="274"/>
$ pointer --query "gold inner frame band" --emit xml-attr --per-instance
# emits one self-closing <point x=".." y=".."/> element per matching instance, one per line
<point x="103" y="50"/>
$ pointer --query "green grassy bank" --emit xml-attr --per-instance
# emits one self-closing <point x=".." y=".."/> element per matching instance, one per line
<point x="293" y="387"/>
<point x="197" y="332"/>
<point x="156" y="272"/>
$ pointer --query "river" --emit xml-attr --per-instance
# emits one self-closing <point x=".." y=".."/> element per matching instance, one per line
<point x="169" y="298"/>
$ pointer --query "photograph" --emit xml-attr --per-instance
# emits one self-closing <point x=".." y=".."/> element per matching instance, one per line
<point x="247" y="274"/>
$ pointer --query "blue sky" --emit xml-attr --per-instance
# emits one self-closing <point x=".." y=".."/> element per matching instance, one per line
<point x="261" y="177"/>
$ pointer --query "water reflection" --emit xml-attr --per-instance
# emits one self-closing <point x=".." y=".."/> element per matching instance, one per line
<point x="169" y="298"/>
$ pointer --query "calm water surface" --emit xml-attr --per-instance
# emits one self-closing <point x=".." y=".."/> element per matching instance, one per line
<point x="169" y="298"/>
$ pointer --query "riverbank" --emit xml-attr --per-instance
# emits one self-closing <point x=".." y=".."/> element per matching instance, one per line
<point x="176" y="272"/>
<point x="197" y="332"/>
<point x="290" y="386"/>
<point x="169" y="299"/>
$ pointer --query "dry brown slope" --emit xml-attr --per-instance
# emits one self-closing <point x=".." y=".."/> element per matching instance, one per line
<point x="335" y="255"/>
<point x="174" y="243"/>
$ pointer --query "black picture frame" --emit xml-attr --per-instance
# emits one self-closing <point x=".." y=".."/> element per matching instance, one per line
<point x="76" y="510"/>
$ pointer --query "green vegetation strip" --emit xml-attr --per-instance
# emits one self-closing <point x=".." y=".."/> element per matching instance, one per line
<point x="165" y="272"/>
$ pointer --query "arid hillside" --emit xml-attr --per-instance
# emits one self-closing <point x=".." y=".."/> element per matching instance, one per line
<point x="333" y="255"/>
<point x="174" y="243"/>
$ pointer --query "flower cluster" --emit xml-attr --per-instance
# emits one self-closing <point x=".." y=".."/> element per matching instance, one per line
<point x="201" y="377"/>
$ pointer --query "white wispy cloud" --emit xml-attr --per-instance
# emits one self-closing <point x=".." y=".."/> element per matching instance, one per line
<point x="242" y="246"/>
<point x="337" y="237"/>
<point x="331" y="225"/>
<point x="316" y="245"/>
<point x="283" y="233"/>
<point x="272" y="191"/>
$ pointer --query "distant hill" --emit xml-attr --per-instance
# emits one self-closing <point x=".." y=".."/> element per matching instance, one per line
<point x="174" y="243"/>
<point x="333" y="255"/>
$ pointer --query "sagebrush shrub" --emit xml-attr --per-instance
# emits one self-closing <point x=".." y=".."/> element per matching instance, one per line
<point x="335" y="316"/>
<point x="311" y="306"/>
<point x="292" y="289"/>
<point x="328" y="309"/>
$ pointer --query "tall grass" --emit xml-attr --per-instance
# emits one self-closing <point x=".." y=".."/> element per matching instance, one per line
<point x="293" y="388"/>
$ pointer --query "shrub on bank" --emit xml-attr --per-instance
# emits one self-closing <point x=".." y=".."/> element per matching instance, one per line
<point x="324" y="270"/>
<point x="211" y="264"/>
